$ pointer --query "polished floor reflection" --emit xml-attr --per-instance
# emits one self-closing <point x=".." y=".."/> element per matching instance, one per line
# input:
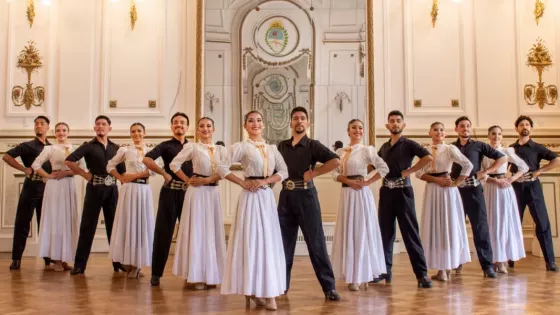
<point x="527" y="289"/>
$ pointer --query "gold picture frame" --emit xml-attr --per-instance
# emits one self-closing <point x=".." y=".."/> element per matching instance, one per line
<point x="369" y="55"/>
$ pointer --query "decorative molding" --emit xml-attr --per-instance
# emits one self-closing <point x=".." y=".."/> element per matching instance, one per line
<point x="370" y="70"/>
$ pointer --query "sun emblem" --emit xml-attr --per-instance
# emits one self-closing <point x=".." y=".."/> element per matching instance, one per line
<point x="276" y="37"/>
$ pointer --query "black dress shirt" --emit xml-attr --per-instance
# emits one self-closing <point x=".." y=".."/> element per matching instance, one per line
<point x="475" y="151"/>
<point x="29" y="151"/>
<point x="399" y="156"/>
<point x="167" y="150"/>
<point x="532" y="153"/>
<point x="97" y="156"/>
<point x="306" y="153"/>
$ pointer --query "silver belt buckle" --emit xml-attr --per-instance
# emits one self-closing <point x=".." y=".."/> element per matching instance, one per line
<point x="108" y="181"/>
<point x="290" y="185"/>
<point x="391" y="184"/>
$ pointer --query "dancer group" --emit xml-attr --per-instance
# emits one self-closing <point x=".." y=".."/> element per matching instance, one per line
<point x="465" y="178"/>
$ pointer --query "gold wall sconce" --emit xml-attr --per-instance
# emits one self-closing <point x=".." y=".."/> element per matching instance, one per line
<point x="454" y="103"/>
<point x="417" y="103"/>
<point x="539" y="10"/>
<point x="435" y="10"/>
<point x="539" y="58"/>
<point x="133" y="14"/>
<point x="29" y="61"/>
<point x="30" y="11"/>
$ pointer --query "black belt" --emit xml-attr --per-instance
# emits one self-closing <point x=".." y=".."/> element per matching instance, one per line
<point x="204" y="176"/>
<point x="143" y="180"/>
<point x="34" y="177"/>
<point x="442" y="174"/>
<point x="396" y="182"/>
<point x="176" y="185"/>
<point x="107" y="180"/>
<point x="497" y="176"/>
<point x="291" y="184"/>
<point x="527" y="177"/>
<point x="352" y="177"/>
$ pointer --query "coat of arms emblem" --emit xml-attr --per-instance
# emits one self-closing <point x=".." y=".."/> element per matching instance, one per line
<point x="276" y="37"/>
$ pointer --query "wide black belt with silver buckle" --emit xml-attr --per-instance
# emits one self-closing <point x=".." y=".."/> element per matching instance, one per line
<point x="352" y="177"/>
<point x="441" y="174"/>
<point x="177" y="185"/>
<point x="143" y="180"/>
<point x="35" y="177"/>
<point x="103" y="180"/>
<point x="469" y="182"/>
<point x="497" y="176"/>
<point x="396" y="182"/>
<point x="291" y="184"/>
<point x="204" y="176"/>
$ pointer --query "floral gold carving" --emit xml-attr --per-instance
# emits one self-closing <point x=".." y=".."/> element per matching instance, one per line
<point x="29" y="61"/>
<point x="539" y="58"/>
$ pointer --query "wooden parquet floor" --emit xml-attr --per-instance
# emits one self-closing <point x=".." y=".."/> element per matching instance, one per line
<point x="528" y="289"/>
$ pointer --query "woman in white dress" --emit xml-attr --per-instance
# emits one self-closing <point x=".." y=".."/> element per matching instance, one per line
<point x="201" y="246"/>
<point x="255" y="265"/>
<point x="443" y="230"/>
<point x="58" y="233"/>
<point x="133" y="229"/>
<point x="503" y="215"/>
<point x="358" y="254"/>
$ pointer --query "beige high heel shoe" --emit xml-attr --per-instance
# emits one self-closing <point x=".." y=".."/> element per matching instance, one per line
<point x="353" y="287"/>
<point x="441" y="276"/>
<point x="501" y="267"/>
<point x="271" y="304"/>
<point x="258" y="301"/>
<point x="200" y="286"/>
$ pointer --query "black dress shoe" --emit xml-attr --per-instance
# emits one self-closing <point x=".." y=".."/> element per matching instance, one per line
<point x="424" y="282"/>
<point x="47" y="261"/>
<point x="490" y="273"/>
<point x="155" y="281"/>
<point x="118" y="267"/>
<point x="552" y="267"/>
<point x="332" y="295"/>
<point x="16" y="264"/>
<point x="77" y="271"/>
<point x="385" y="276"/>
<point x="511" y="263"/>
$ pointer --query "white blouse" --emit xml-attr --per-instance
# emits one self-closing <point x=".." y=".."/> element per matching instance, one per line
<point x="132" y="156"/>
<point x="56" y="154"/>
<point x="444" y="156"/>
<point x="511" y="157"/>
<point x="199" y="154"/>
<point x="360" y="156"/>
<point x="249" y="155"/>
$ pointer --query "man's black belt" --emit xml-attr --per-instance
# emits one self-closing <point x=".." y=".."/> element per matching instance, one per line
<point x="527" y="177"/>
<point x="204" y="176"/>
<point x="34" y="177"/>
<point x="176" y="185"/>
<point x="396" y="182"/>
<point x="107" y="180"/>
<point x="295" y="184"/>
<point x="352" y="177"/>
<point x="469" y="182"/>
<point x="497" y="176"/>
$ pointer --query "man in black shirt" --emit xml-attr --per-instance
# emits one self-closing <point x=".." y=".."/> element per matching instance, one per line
<point x="471" y="189"/>
<point x="172" y="193"/>
<point x="101" y="190"/>
<point x="31" y="196"/>
<point x="396" y="199"/>
<point x="528" y="188"/>
<point x="299" y="205"/>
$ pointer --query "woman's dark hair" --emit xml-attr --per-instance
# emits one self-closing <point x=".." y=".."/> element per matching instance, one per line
<point x="62" y="123"/>
<point x="138" y="124"/>
<point x="254" y="111"/>
<point x="436" y="123"/>
<point x="207" y="118"/>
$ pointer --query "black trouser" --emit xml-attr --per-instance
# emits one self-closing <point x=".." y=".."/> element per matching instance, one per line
<point x="97" y="197"/>
<point x="300" y="208"/>
<point x="531" y="194"/>
<point x="170" y="207"/>
<point x="398" y="203"/>
<point x="475" y="208"/>
<point x="31" y="198"/>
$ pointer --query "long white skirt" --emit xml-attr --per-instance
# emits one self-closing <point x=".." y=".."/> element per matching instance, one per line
<point x="443" y="230"/>
<point x="132" y="237"/>
<point x="357" y="248"/>
<point x="504" y="223"/>
<point x="255" y="263"/>
<point x="58" y="233"/>
<point x="201" y="244"/>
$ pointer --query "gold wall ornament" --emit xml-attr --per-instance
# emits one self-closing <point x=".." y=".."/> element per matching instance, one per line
<point x="434" y="12"/>
<point x="539" y="10"/>
<point x="362" y="56"/>
<point x="133" y="14"/>
<point x="28" y="61"/>
<point x="417" y="103"/>
<point x="539" y="58"/>
<point x="30" y="12"/>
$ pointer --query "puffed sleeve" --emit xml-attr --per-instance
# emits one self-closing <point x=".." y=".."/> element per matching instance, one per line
<point x="235" y="155"/>
<point x="514" y="159"/>
<point x="222" y="163"/>
<point x="42" y="158"/>
<point x="183" y="156"/>
<point x="279" y="164"/>
<point x="423" y="170"/>
<point x="461" y="160"/>
<point x="117" y="159"/>
<point x="337" y="171"/>
<point x="373" y="159"/>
